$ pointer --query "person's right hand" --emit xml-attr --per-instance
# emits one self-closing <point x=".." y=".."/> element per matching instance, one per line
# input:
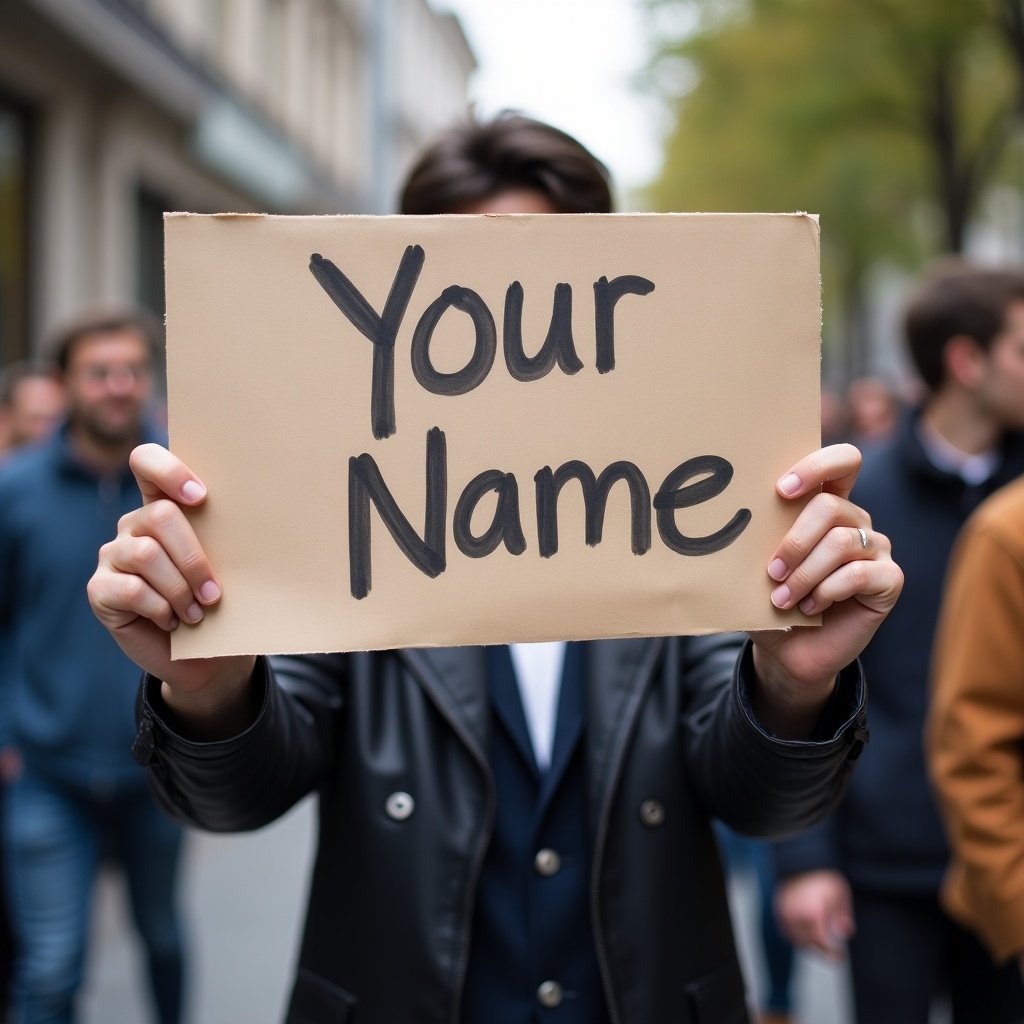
<point x="153" y="576"/>
<point x="815" y="911"/>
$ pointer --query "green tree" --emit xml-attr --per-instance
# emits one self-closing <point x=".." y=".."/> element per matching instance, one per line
<point x="887" y="117"/>
<point x="1009" y="17"/>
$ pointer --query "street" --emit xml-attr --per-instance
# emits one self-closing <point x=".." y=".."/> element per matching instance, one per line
<point x="243" y="897"/>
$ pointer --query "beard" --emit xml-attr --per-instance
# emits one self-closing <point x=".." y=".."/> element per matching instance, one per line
<point x="109" y="426"/>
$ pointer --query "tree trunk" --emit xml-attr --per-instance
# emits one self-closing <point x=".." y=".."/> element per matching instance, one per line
<point x="1010" y="16"/>
<point x="942" y="129"/>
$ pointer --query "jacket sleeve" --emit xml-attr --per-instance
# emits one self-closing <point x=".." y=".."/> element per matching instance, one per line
<point x="756" y="783"/>
<point x="975" y="735"/>
<point x="813" y="849"/>
<point x="247" y="781"/>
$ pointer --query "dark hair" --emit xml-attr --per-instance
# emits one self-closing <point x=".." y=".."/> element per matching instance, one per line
<point x="103" y="321"/>
<point x="14" y="373"/>
<point x="475" y="160"/>
<point x="954" y="298"/>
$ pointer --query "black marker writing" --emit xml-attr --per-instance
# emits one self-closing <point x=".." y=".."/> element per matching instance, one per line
<point x="505" y="526"/>
<point x="675" y="493"/>
<point x="691" y="483"/>
<point x="557" y="347"/>
<point x="365" y="484"/>
<point x="606" y="294"/>
<point x="381" y="329"/>
<point x="595" y="498"/>
<point x="472" y="374"/>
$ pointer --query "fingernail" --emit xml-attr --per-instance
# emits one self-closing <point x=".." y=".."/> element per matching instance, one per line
<point x="778" y="570"/>
<point x="789" y="484"/>
<point x="209" y="592"/>
<point x="781" y="596"/>
<point x="192" y="490"/>
<point x="193" y="613"/>
<point x="807" y="605"/>
<point x="173" y="625"/>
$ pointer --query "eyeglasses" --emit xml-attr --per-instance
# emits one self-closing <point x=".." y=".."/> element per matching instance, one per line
<point x="124" y="373"/>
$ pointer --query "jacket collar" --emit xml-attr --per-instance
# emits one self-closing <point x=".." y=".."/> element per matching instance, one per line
<point x="907" y="441"/>
<point x="570" y="714"/>
<point x="618" y="673"/>
<point x="572" y="718"/>
<point x="455" y="678"/>
<point x="67" y="461"/>
<point x="507" y="703"/>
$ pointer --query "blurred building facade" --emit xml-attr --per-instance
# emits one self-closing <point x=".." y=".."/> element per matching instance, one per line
<point x="113" y="111"/>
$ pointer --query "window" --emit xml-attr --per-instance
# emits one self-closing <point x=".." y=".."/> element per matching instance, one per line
<point x="15" y="200"/>
<point x="149" y="259"/>
<point x="149" y="240"/>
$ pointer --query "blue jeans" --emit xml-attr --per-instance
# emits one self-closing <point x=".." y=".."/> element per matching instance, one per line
<point x="55" y="839"/>
<point x="745" y="854"/>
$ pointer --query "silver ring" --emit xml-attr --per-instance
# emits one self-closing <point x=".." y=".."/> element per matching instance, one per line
<point x="863" y="538"/>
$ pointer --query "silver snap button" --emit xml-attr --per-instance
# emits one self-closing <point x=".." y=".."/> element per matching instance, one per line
<point x="549" y="994"/>
<point x="547" y="863"/>
<point x="652" y="813"/>
<point x="399" y="806"/>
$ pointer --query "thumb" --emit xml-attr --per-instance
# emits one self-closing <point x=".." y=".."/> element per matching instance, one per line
<point x="160" y="475"/>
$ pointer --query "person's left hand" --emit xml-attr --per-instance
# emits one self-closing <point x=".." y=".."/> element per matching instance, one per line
<point x="830" y="563"/>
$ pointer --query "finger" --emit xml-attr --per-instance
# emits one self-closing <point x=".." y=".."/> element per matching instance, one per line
<point x="791" y="926"/>
<point x="875" y="583"/>
<point x="825" y="937"/>
<point x="165" y="522"/>
<point x="146" y="557"/>
<point x="840" y="931"/>
<point x="812" y="932"/>
<point x="162" y="475"/>
<point x="798" y="916"/>
<point x="839" y="545"/>
<point x="833" y="469"/>
<point x="843" y="926"/>
<point x="823" y="513"/>
<point x="119" y="599"/>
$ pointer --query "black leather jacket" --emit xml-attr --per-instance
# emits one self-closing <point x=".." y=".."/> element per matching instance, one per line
<point x="396" y="744"/>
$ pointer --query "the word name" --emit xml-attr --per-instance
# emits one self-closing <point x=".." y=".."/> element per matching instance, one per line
<point x="691" y="483"/>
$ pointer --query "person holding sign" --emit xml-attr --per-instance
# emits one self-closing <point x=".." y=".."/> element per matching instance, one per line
<point x="516" y="833"/>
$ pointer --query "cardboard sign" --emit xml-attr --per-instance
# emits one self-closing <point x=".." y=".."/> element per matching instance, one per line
<point x="421" y="431"/>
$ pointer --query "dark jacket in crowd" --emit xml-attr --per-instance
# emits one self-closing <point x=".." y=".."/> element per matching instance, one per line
<point x="886" y="834"/>
<point x="417" y="814"/>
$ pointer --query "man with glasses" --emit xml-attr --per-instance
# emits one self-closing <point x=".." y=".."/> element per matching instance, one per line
<point x="73" y="794"/>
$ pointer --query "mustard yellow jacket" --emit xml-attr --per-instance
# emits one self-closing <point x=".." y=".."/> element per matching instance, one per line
<point x="975" y="732"/>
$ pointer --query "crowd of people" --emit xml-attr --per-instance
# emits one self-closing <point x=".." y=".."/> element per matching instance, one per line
<point x="73" y="799"/>
<point x="527" y="833"/>
<point x="867" y="879"/>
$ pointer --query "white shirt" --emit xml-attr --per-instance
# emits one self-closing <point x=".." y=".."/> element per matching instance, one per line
<point x="538" y="669"/>
<point x="972" y="469"/>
